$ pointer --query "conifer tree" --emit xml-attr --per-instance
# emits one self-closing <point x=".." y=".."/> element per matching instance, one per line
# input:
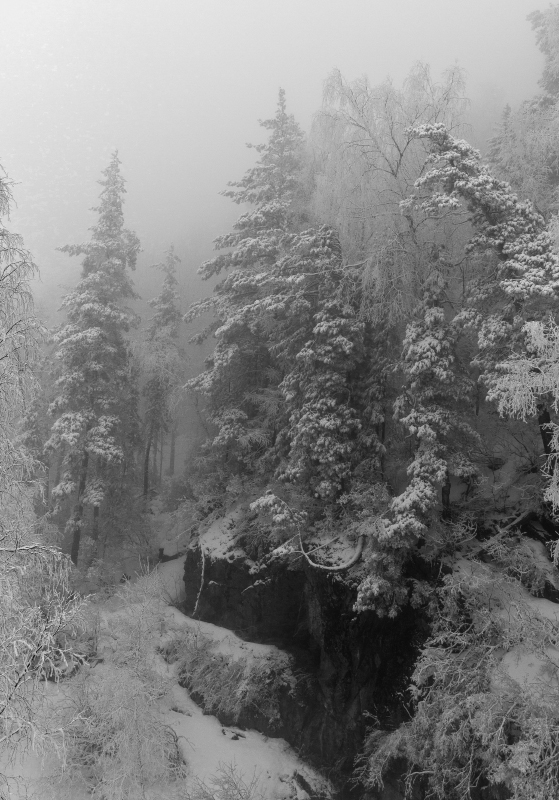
<point x="241" y="363"/>
<point x="546" y="25"/>
<point x="525" y="149"/>
<point x="434" y="409"/>
<point x="164" y="363"/>
<point x="317" y="341"/>
<point x="290" y="341"/>
<point x="525" y="152"/>
<point x="94" y="406"/>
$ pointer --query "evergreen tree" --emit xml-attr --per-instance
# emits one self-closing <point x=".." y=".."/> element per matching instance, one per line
<point x="546" y="25"/>
<point x="241" y="363"/>
<point x="317" y="342"/>
<point x="164" y="363"/>
<point x="94" y="407"/>
<point x="525" y="150"/>
<point x="290" y="341"/>
<point x="434" y="409"/>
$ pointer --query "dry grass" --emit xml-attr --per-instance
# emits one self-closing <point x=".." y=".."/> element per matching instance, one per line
<point x="229" y="686"/>
<point x="117" y="745"/>
<point x="228" y="784"/>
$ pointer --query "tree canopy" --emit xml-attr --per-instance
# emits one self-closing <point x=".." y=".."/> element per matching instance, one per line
<point x="95" y="417"/>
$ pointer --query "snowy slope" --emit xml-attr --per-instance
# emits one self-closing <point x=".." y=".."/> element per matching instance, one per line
<point x="205" y="744"/>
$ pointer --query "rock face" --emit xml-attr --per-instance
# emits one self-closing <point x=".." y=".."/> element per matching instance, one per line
<point x="356" y="666"/>
<point x="266" y="607"/>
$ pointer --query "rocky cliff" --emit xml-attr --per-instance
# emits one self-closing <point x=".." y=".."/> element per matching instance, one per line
<point x="355" y="667"/>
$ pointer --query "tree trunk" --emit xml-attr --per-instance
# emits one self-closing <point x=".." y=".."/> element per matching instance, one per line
<point x="58" y="469"/>
<point x="95" y="529"/>
<point x="446" y="497"/>
<point x="47" y="484"/>
<point x="78" y="513"/>
<point x="381" y="433"/>
<point x="58" y="473"/>
<point x="154" y="455"/>
<point x="172" y="453"/>
<point x="543" y="421"/>
<point x="146" y="463"/>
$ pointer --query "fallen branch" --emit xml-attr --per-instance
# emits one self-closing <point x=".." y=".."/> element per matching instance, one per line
<point x="341" y="567"/>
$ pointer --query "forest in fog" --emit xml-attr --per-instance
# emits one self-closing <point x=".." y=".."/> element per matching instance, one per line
<point x="340" y="446"/>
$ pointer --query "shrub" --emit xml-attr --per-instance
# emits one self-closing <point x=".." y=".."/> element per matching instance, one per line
<point x="229" y="686"/>
<point x="138" y="623"/>
<point x="473" y="724"/>
<point x="118" y="748"/>
<point x="40" y="624"/>
<point x="228" y="784"/>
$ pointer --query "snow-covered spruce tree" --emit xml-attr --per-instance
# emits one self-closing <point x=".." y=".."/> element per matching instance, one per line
<point x="546" y="25"/>
<point x="317" y="342"/>
<point x="241" y="363"/>
<point x="522" y="267"/>
<point x="525" y="149"/>
<point x="525" y="152"/>
<point x="94" y="406"/>
<point x="291" y="345"/>
<point x="163" y="363"/>
<point x="323" y="425"/>
<point x="434" y="408"/>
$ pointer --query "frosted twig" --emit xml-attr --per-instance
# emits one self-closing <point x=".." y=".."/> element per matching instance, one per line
<point x="201" y="579"/>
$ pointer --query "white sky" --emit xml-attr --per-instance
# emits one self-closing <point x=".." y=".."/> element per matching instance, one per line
<point x="178" y="87"/>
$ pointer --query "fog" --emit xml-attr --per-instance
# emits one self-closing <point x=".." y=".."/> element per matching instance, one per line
<point x="178" y="87"/>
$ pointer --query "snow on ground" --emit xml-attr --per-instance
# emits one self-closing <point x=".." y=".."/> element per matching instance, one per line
<point x="226" y="642"/>
<point x="171" y="576"/>
<point x="541" y="558"/>
<point x="219" y="539"/>
<point x="170" y="531"/>
<point x="206" y="745"/>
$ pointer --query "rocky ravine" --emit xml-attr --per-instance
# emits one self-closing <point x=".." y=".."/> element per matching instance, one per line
<point x="354" y="666"/>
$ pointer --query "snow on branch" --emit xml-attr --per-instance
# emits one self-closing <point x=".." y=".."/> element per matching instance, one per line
<point x="512" y="228"/>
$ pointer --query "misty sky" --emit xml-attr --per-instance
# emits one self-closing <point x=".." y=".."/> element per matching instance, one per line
<point x="178" y="86"/>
